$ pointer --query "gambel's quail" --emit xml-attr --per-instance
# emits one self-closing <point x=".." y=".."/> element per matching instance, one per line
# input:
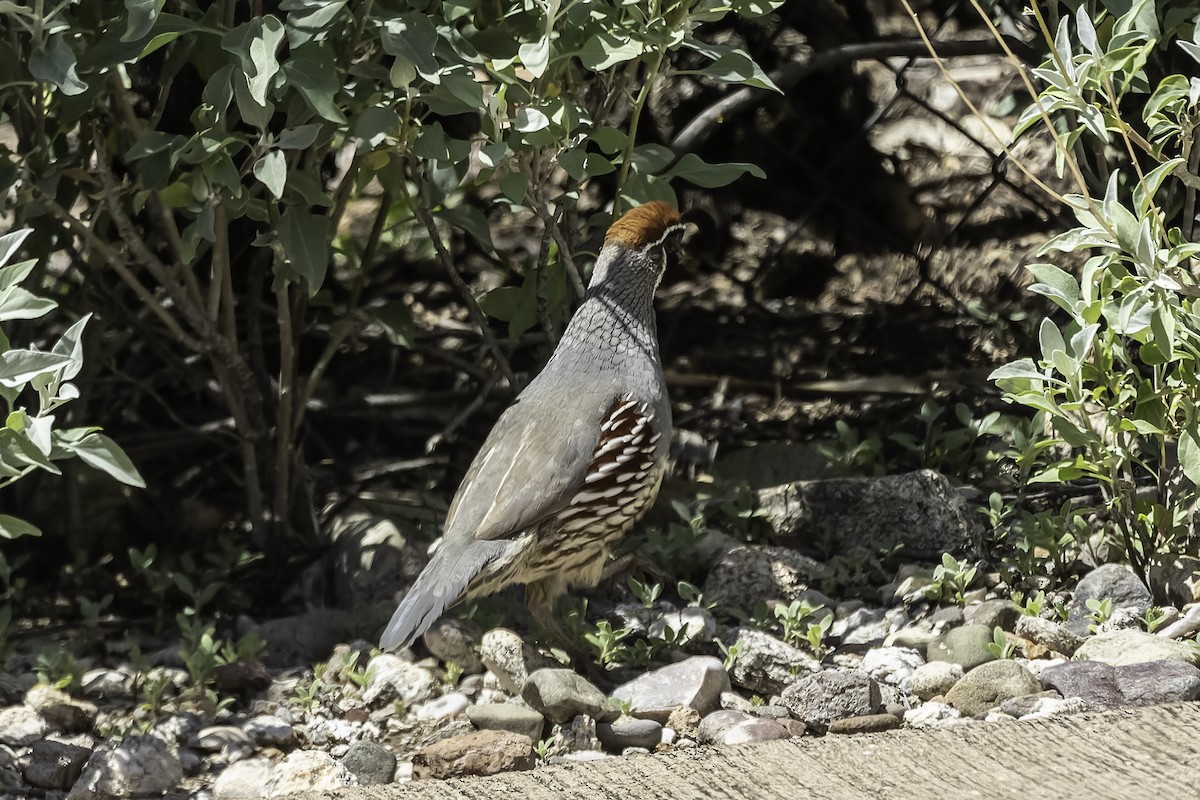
<point x="575" y="461"/>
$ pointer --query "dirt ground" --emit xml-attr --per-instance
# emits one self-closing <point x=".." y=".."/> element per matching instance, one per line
<point x="1120" y="755"/>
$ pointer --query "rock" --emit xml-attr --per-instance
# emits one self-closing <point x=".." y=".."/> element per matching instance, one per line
<point x="693" y="625"/>
<point x="713" y="725"/>
<point x="1094" y="682"/>
<point x="1185" y="626"/>
<point x="444" y="707"/>
<point x="915" y="637"/>
<point x="305" y="638"/>
<point x="1133" y="647"/>
<point x="61" y="711"/>
<point x="371" y="764"/>
<point x="1055" y="707"/>
<point x="561" y="695"/>
<point x="1122" y="619"/>
<point x="455" y="641"/>
<point x="243" y="780"/>
<point x="932" y="715"/>
<point x="696" y="682"/>
<point x="817" y="700"/>
<point x="14" y="687"/>
<point x="867" y="625"/>
<point x="765" y="664"/>
<point x="303" y="771"/>
<point x="892" y="665"/>
<point x="872" y="723"/>
<point x="510" y="659"/>
<point x="231" y="742"/>
<point x="479" y="753"/>
<point x="1156" y="682"/>
<point x="912" y="584"/>
<point x="935" y="678"/>
<point x="1174" y="578"/>
<point x="685" y="722"/>
<point x="108" y="684"/>
<point x="921" y="511"/>
<point x="965" y="646"/>
<point x="55" y="765"/>
<point x="1026" y="703"/>
<point x="1048" y="633"/>
<point x="629" y="732"/>
<point x="748" y="573"/>
<point x="241" y="677"/>
<point x="508" y="717"/>
<point x="21" y="725"/>
<point x="989" y="684"/>
<point x="137" y="766"/>
<point x="992" y="614"/>
<point x="1115" y="582"/>
<point x="753" y="730"/>
<point x="577" y="735"/>
<point x="270" y="731"/>
<point x="389" y="677"/>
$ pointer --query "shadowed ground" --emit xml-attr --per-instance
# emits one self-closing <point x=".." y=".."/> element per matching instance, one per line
<point x="1138" y="754"/>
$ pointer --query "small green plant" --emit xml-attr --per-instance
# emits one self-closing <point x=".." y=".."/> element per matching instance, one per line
<point x="1153" y="619"/>
<point x="730" y="653"/>
<point x="851" y="454"/>
<point x="814" y="635"/>
<point x="646" y="593"/>
<point x="794" y="618"/>
<point x="606" y="641"/>
<point x="451" y="674"/>
<point x="757" y="700"/>
<point x="542" y="749"/>
<point x="56" y="667"/>
<point x="1000" y="646"/>
<point x="1031" y="605"/>
<point x="307" y="695"/>
<point x="1099" y="612"/>
<point x="691" y="595"/>
<point x="951" y="580"/>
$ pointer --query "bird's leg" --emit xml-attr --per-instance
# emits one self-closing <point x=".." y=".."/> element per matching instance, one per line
<point x="540" y="598"/>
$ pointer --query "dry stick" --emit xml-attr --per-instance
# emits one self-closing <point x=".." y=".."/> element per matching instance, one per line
<point x="697" y="132"/>
<point x="287" y="387"/>
<point x="422" y="211"/>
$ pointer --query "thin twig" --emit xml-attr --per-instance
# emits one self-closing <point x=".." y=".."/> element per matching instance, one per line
<point x="423" y="212"/>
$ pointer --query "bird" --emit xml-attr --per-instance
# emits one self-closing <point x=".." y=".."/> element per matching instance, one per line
<point x="577" y="458"/>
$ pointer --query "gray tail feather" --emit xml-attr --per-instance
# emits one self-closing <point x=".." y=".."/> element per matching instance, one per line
<point x="439" y="586"/>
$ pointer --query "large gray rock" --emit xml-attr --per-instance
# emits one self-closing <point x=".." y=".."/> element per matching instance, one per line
<point x="1133" y="647"/>
<point x="1095" y="683"/>
<point x="749" y="573"/>
<point x="766" y="665"/>
<point x="921" y="511"/>
<point x="371" y="764"/>
<point x="55" y="765"/>
<point x="1156" y="682"/>
<point x="561" y="695"/>
<point x="817" y="700"/>
<point x="696" y="682"/>
<point x="1115" y="582"/>
<point x="136" y="767"/>
<point x="508" y="717"/>
<point x="990" y="684"/>
<point x="965" y="646"/>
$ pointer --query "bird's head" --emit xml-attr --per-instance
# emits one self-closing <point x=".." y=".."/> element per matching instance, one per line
<point x="640" y="241"/>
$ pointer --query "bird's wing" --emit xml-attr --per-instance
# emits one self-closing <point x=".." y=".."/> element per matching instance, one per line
<point x="530" y="466"/>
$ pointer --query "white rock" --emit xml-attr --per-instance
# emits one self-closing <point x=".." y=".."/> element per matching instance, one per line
<point x="892" y="665"/>
<point x="389" y="677"/>
<point x="21" y="725"/>
<point x="932" y="715"/>
<point x="695" y="624"/>
<point x="1039" y="665"/>
<point x="243" y="781"/>
<point x="936" y="677"/>
<point x="138" y="766"/>
<point x="1056" y="706"/>
<point x="270" y="730"/>
<point x="696" y="682"/>
<point x="1183" y="627"/>
<point x="305" y="771"/>
<point x="447" y="705"/>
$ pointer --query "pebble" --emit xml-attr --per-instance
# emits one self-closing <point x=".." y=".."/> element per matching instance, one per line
<point x="990" y="684"/>
<point x="766" y="664"/>
<point x="304" y="771"/>
<point x="508" y="717"/>
<point x="135" y="767"/>
<point x="817" y="700"/>
<point x="390" y="677"/>
<point x="934" y="678"/>
<point x="1048" y="633"/>
<point x="21" y="725"/>
<point x="270" y="731"/>
<point x="479" y="753"/>
<point x="371" y="764"/>
<point x="245" y="780"/>
<point x="992" y="614"/>
<point x="61" y="711"/>
<point x="693" y="625"/>
<point x="506" y="656"/>
<point x="55" y="765"/>
<point x="625" y="732"/>
<point x="871" y="723"/>
<point x="753" y="730"/>
<point x="1115" y="582"/>
<point x="1122" y="647"/>
<point x="965" y="646"/>
<point x="892" y="665"/>
<point x="455" y="641"/>
<point x="448" y="705"/>
<point x="713" y="725"/>
<point x="932" y="715"/>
